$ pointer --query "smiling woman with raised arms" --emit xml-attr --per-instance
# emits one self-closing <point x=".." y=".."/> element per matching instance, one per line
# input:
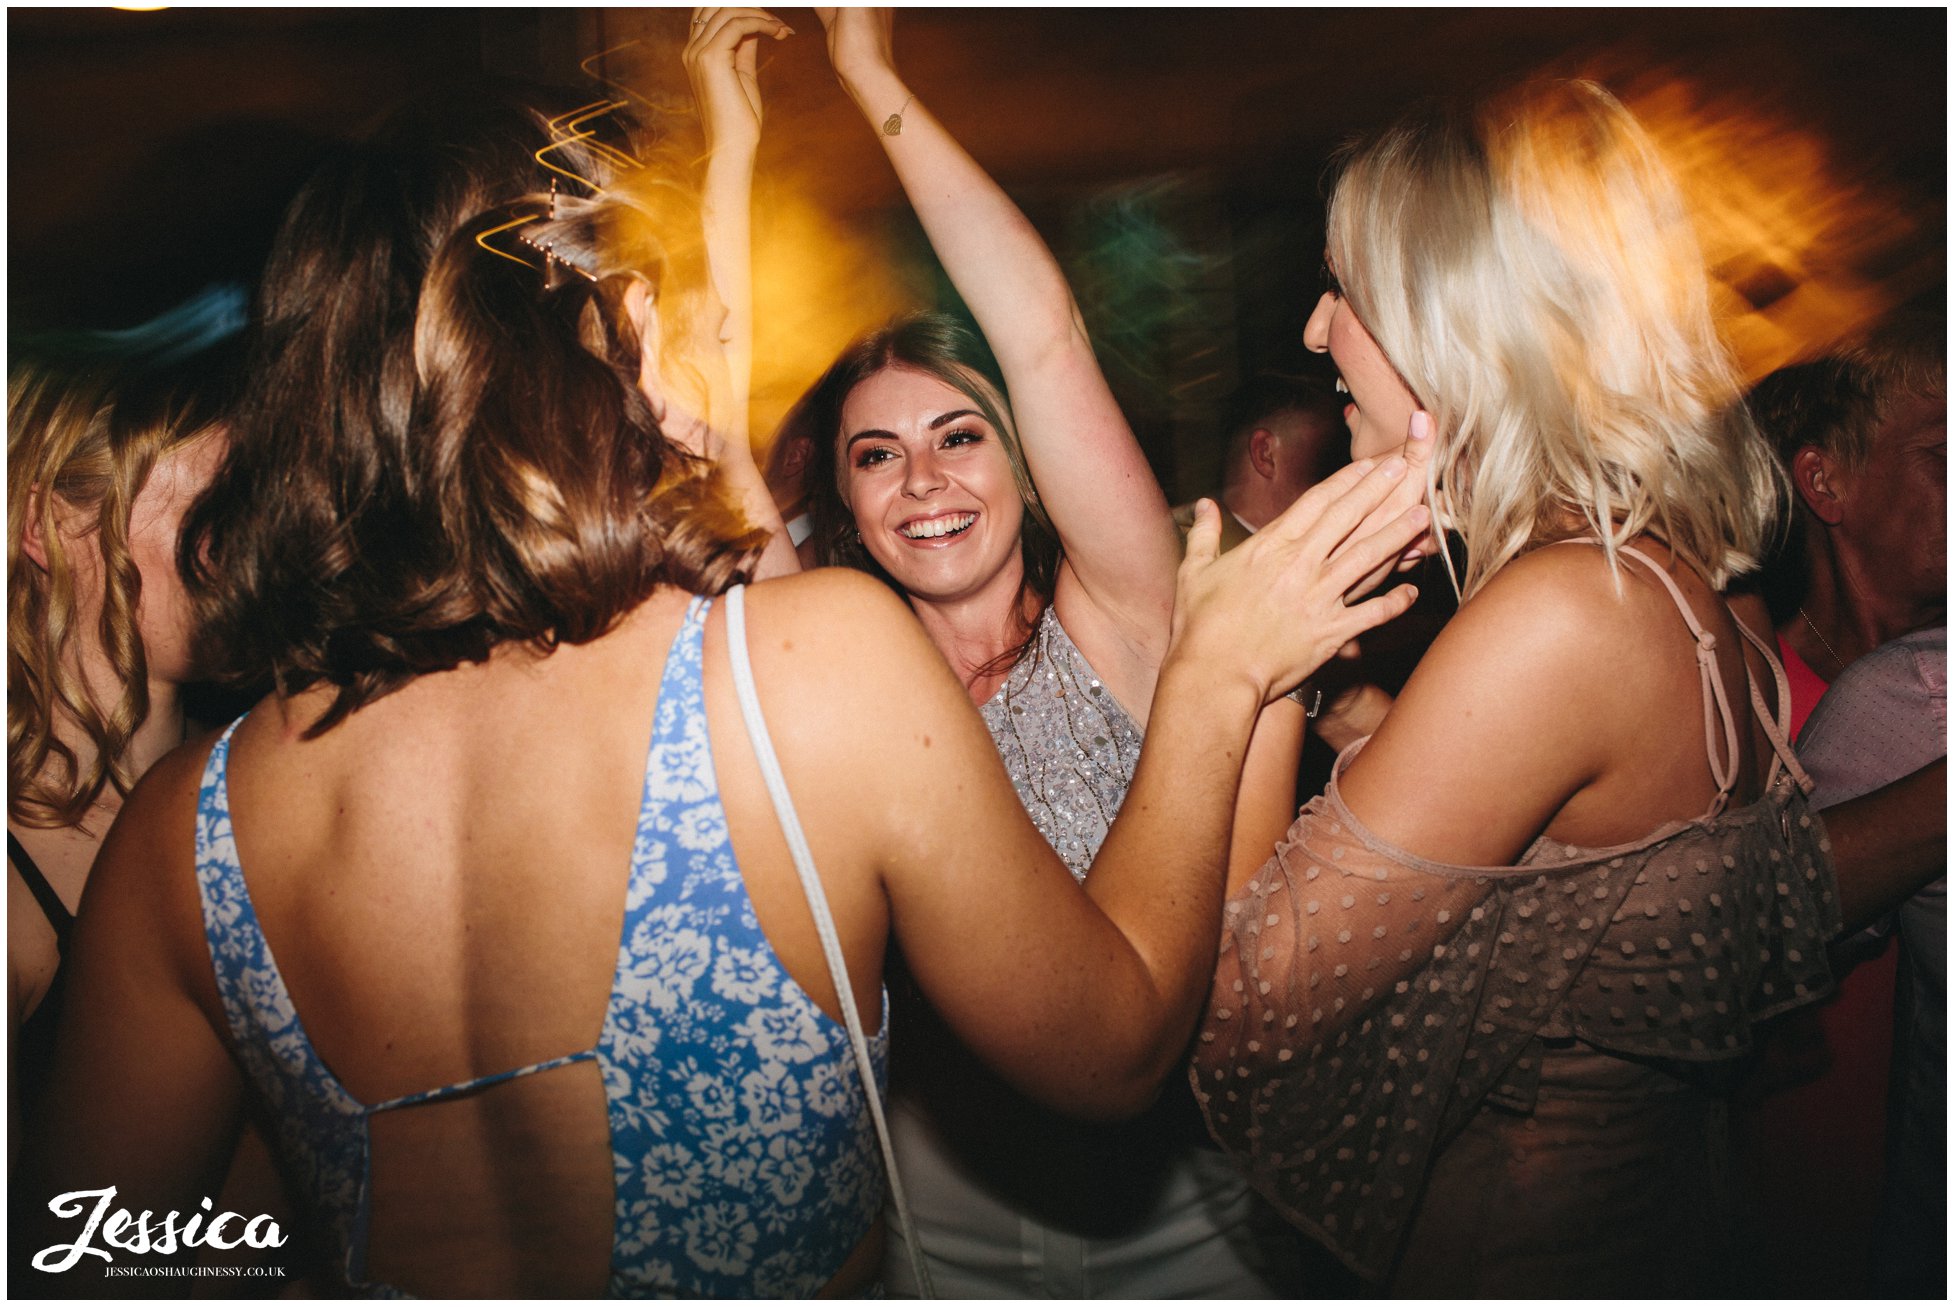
<point x="993" y="482"/>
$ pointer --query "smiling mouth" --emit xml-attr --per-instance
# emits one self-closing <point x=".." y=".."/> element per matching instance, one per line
<point x="937" y="528"/>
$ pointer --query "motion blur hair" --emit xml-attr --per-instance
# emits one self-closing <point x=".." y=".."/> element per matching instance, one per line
<point x="445" y="448"/>
<point x="83" y="433"/>
<point x="938" y="346"/>
<point x="1528" y="267"/>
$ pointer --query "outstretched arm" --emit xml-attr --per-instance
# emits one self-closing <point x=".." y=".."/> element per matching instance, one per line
<point x="1887" y="844"/>
<point x="1086" y="1000"/>
<point x="1092" y="478"/>
<point x="722" y="61"/>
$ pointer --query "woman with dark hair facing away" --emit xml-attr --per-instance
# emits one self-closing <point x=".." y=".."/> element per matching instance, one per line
<point x="1471" y="1022"/>
<point x="499" y="904"/>
<point x="109" y="438"/>
<point x="993" y="482"/>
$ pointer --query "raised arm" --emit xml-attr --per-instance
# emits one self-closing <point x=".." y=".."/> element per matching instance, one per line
<point x="1092" y="478"/>
<point x="722" y="61"/>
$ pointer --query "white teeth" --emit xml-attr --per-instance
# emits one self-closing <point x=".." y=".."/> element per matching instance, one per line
<point x="1341" y="388"/>
<point x="938" y="526"/>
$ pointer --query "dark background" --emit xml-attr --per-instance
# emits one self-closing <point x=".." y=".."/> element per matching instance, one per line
<point x="1173" y="158"/>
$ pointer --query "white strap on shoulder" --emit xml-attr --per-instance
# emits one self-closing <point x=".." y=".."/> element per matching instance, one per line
<point x="817" y="903"/>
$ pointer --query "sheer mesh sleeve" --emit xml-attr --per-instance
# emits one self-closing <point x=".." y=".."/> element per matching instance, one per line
<point x="1367" y="1002"/>
<point x="1344" y="991"/>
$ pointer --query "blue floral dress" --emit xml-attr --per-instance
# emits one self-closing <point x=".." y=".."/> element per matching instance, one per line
<point x="744" y="1156"/>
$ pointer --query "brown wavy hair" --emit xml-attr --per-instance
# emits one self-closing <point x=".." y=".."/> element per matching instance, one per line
<point x="444" y="448"/>
<point x="83" y="433"/>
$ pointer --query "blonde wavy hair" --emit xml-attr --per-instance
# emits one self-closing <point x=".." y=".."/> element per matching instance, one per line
<point x="1528" y="267"/>
<point x="82" y="439"/>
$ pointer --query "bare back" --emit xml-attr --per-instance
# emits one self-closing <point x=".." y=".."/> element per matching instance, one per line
<point x="437" y="891"/>
<point x="468" y="840"/>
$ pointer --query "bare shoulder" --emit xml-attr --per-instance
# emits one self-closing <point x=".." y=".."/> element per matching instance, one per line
<point x="161" y="808"/>
<point x="835" y="624"/>
<point x="1564" y="592"/>
<point x="858" y="673"/>
<point x="143" y="892"/>
<point x="1522" y="701"/>
<point x="157" y="828"/>
<point x="859" y="702"/>
<point x="822" y="593"/>
<point x="1555" y="614"/>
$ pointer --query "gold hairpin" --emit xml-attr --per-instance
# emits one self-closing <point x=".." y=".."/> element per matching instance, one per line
<point x="552" y="265"/>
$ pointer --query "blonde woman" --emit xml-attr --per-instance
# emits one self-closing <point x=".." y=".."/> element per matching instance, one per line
<point x="103" y="456"/>
<point x="1470" y="1021"/>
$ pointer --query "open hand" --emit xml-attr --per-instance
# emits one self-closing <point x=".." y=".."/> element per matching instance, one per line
<point x="1417" y="455"/>
<point x="1277" y="606"/>
<point x="722" y="58"/>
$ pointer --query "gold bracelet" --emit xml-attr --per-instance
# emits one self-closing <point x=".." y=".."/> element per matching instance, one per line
<point x="892" y="125"/>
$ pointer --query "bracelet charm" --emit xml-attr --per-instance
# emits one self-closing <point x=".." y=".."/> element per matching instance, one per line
<point x="1312" y="706"/>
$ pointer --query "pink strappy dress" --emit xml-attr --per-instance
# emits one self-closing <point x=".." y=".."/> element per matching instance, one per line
<point x="1504" y="1081"/>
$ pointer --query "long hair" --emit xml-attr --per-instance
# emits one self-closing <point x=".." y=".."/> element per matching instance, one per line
<point x="88" y="416"/>
<point x="942" y="347"/>
<point x="1529" y="269"/>
<point x="444" y="446"/>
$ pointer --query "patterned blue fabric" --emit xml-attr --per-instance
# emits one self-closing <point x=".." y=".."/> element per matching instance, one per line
<point x="744" y="1157"/>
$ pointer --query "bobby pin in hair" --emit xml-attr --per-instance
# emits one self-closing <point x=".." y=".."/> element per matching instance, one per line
<point x="552" y="265"/>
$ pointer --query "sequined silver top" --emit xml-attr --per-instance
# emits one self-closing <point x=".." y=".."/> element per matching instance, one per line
<point x="1069" y="747"/>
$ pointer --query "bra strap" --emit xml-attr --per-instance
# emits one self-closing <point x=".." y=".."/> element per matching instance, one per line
<point x="479" y="1083"/>
<point x="1716" y="701"/>
<point x="817" y="902"/>
<point x="58" y="916"/>
<point x="1777" y="726"/>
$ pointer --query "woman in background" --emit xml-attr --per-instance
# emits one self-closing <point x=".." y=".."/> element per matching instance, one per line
<point x="109" y="438"/>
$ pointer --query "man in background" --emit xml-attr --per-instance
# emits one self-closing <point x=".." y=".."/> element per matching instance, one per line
<point x="1859" y="602"/>
<point x="1283" y="434"/>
